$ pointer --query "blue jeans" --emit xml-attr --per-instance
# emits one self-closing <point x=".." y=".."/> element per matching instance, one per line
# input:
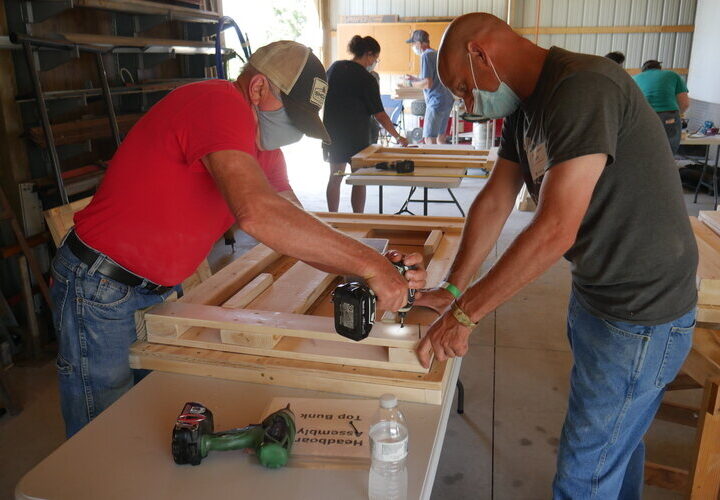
<point x="95" y="324"/>
<point x="617" y="383"/>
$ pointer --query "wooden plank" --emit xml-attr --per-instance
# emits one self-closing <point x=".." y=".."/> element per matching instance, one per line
<point x="678" y="413"/>
<point x="708" y="272"/>
<point x="324" y="351"/>
<point x="710" y="218"/>
<point x="367" y="382"/>
<point x="222" y="285"/>
<point x="670" y="478"/>
<point x="419" y="161"/>
<point x="404" y="356"/>
<point x="432" y="151"/>
<point x="249" y="292"/>
<point x="60" y="219"/>
<point x="682" y="382"/>
<point x="703" y="361"/>
<point x="132" y="41"/>
<point x="439" y="266"/>
<point x="295" y="291"/>
<point x="76" y="131"/>
<point x="184" y="314"/>
<point x="432" y="242"/>
<point x="174" y="12"/>
<point x="242" y="298"/>
<point x="705" y="469"/>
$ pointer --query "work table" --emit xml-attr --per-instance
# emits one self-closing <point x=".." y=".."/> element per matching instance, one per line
<point x="125" y="452"/>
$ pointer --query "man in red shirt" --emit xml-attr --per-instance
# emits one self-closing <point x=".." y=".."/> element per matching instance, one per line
<point x="184" y="173"/>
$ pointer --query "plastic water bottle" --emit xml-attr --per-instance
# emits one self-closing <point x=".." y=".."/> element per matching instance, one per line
<point x="388" y="450"/>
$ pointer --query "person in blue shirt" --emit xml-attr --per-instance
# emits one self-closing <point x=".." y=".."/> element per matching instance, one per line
<point x="438" y="99"/>
<point x="668" y="96"/>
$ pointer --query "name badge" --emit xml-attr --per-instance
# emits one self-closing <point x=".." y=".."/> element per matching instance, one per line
<point x="537" y="158"/>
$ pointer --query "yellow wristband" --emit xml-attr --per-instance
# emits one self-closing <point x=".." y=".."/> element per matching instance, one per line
<point x="461" y="316"/>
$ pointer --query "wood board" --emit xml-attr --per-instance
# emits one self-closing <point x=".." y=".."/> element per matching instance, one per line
<point x="423" y="157"/>
<point x="290" y="315"/>
<point x="708" y="272"/>
<point x="324" y="429"/>
<point x="341" y="379"/>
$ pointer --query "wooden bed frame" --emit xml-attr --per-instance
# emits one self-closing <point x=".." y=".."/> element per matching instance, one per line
<point x="267" y="317"/>
<point x="423" y="157"/>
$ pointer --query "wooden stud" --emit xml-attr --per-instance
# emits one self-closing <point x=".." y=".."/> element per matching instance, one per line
<point x="223" y="284"/>
<point x="432" y="242"/>
<point x="34" y="330"/>
<point x="705" y="469"/>
<point x="670" y="478"/>
<point x="682" y="382"/>
<point x="183" y="314"/>
<point x="295" y="291"/>
<point x="249" y="292"/>
<point x="406" y="356"/>
<point x="366" y="382"/>
<point x="439" y="266"/>
<point x="678" y="413"/>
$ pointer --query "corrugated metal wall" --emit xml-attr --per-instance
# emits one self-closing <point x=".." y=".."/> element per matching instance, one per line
<point x="673" y="49"/>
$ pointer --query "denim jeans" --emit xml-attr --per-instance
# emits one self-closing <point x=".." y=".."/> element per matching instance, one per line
<point x="617" y="383"/>
<point x="673" y="128"/>
<point x="95" y="324"/>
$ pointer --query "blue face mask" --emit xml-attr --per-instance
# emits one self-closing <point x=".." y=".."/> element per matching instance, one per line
<point x="489" y="105"/>
<point x="276" y="129"/>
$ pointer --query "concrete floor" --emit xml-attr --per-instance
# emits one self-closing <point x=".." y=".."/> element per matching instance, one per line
<point x="515" y="376"/>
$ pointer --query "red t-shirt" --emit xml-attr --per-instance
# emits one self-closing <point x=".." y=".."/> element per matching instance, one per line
<point x="158" y="211"/>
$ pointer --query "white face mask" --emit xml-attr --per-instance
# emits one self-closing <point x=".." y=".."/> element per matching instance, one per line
<point x="488" y="105"/>
<point x="372" y="66"/>
<point x="417" y="50"/>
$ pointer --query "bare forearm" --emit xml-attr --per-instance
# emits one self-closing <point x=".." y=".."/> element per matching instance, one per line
<point x="482" y="229"/>
<point x="289" y="195"/>
<point x="384" y="120"/>
<point x="532" y="253"/>
<point x="338" y="253"/>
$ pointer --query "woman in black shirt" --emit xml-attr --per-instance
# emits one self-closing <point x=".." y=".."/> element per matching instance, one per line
<point x="353" y="98"/>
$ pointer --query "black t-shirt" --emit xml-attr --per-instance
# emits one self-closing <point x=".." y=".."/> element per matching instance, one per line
<point x="353" y="97"/>
<point x="635" y="256"/>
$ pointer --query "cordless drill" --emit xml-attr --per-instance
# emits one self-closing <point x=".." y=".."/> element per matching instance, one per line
<point x="193" y="436"/>
<point x="354" y="307"/>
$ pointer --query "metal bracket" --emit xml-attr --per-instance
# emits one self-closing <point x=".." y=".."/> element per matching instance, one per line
<point x="155" y="58"/>
<point x="48" y="59"/>
<point x="37" y="11"/>
<point x="144" y="22"/>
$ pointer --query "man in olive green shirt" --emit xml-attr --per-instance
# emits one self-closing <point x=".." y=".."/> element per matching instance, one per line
<point x="668" y="96"/>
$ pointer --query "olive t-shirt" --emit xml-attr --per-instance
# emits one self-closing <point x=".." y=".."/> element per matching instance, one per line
<point x="635" y="256"/>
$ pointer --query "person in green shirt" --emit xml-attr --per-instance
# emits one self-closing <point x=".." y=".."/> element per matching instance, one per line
<point x="667" y="94"/>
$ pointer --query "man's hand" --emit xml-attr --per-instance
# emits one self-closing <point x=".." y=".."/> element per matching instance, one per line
<point x="446" y="338"/>
<point x="437" y="299"/>
<point x="402" y="141"/>
<point x="390" y="287"/>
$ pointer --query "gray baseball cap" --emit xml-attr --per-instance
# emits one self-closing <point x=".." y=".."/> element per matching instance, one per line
<point x="419" y="36"/>
<point x="301" y="78"/>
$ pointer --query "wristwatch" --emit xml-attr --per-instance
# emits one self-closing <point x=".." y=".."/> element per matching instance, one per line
<point x="461" y="316"/>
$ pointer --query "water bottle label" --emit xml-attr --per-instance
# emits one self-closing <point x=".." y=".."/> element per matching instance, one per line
<point x="390" y="452"/>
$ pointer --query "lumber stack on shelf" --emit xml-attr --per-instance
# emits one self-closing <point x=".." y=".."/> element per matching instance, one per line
<point x="269" y="309"/>
<point x="83" y="130"/>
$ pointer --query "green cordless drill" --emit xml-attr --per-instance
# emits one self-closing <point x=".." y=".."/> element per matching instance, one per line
<point x="193" y="436"/>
